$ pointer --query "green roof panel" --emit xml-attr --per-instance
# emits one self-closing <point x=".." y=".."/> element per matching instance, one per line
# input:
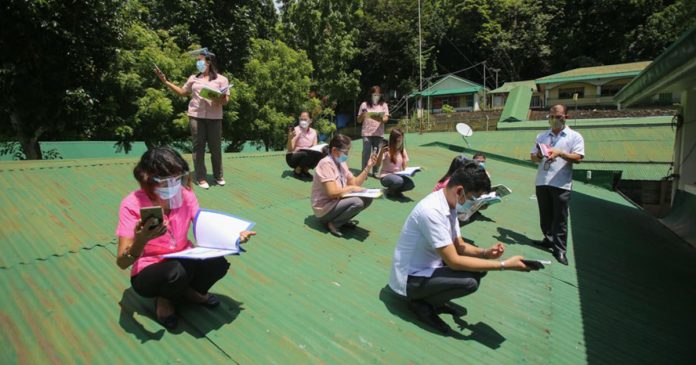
<point x="517" y="105"/>
<point x="596" y="72"/>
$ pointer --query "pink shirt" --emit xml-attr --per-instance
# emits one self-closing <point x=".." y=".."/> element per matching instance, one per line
<point x="176" y="238"/>
<point x="441" y="185"/>
<point x="200" y="107"/>
<point x="304" y="139"/>
<point x="388" y="167"/>
<point x="327" y="170"/>
<point x="372" y="127"/>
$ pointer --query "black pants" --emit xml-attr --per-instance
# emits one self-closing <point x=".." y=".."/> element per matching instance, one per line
<point x="553" y="215"/>
<point x="444" y="285"/>
<point x="304" y="159"/>
<point x="171" y="278"/>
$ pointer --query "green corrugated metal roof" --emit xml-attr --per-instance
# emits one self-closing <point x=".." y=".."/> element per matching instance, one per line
<point x="586" y="123"/>
<point x="597" y="72"/>
<point x="300" y="295"/>
<point x="517" y="105"/>
<point x="450" y="85"/>
<point x="508" y="86"/>
<point x="674" y="69"/>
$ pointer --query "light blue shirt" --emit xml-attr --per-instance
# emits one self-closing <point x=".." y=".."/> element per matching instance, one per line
<point x="560" y="172"/>
<point x="432" y="224"/>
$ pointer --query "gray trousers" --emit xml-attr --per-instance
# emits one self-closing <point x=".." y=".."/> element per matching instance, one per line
<point x="370" y="143"/>
<point x="444" y="285"/>
<point x="397" y="183"/>
<point x="553" y="215"/>
<point x="206" y="131"/>
<point x="345" y="210"/>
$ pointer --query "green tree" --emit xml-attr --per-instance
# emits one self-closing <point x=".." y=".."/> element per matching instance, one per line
<point x="54" y="54"/>
<point x="326" y="30"/>
<point x="659" y="30"/>
<point x="269" y="94"/>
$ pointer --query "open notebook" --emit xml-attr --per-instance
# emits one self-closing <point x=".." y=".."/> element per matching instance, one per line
<point x="208" y="92"/>
<point x="410" y="171"/>
<point x="216" y="234"/>
<point x="318" y="148"/>
<point x="367" y="193"/>
<point x="473" y="206"/>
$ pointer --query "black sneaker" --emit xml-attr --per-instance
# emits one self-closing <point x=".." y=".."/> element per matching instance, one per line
<point x="306" y="175"/>
<point x="427" y="315"/>
<point x="451" y="308"/>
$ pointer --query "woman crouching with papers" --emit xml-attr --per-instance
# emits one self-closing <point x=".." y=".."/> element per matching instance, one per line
<point x="154" y="221"/>
<point x="332" y="181"/>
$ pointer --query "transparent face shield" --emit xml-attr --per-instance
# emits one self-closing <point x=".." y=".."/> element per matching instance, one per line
<point x="169" y="189"/>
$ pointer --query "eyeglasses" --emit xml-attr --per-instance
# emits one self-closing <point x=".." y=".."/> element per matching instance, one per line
<point x="170" y="179"/>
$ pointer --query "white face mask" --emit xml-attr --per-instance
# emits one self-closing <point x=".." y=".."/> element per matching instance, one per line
<point x="168" y="192"/>
<point x="304" y="124"/>
<point x="375" y="99"/>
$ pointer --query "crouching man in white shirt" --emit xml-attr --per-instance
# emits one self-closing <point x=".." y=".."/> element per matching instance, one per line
<point x="432" y="264"/>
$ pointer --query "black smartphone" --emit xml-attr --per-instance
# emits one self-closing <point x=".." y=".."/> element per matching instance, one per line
<point x="384" y="143"/>
<point x="535" y="264"/>
<point x="152" y="212"/>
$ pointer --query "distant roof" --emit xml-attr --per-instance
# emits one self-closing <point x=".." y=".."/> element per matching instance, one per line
<point x="450" y="85"/>
<point x="674" y="70"/>
<point x="508" y="86"/>
<point x="596" y="72"/>
<point x="517" y="105"/>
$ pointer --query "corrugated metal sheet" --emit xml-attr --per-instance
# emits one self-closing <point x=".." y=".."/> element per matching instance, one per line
<point x="586" y="123"/>
<point x="508" y="86"/>
<point x="517" y="105"/>
<point x="300" y="295"/>
<point x="596" y="72"/>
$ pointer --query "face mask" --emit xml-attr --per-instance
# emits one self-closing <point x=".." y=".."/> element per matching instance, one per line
<point x="482" y="165"/>
<point x="342" y="158"/>
<point x="375" y="99"/>
<point x="464" y="207"/>
<point x="304" y="124"/>
<point x="556" y="123"/>
<point x="200" y="65"/>
<point x="169" y="192"/>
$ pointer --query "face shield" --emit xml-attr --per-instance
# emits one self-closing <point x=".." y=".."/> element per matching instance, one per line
<point x="169" y="189"/>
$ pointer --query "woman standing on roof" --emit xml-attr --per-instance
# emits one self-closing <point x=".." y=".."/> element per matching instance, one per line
<point x="164" y="182"/>
<point x="205" y="114"/>
<point x="373" y="114"/>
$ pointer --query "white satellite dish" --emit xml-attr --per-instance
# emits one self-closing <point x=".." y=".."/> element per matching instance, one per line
<point x="465" y="131"/>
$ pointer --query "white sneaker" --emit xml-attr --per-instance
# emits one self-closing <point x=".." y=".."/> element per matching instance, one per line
<point x="204" y="184"/>
<point x="220" y="182"/>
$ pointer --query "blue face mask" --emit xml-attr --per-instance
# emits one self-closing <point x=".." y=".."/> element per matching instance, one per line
<point x="342" y="158"/>
<point x="461" y="208"/>
<point x="482" y="165"/>
<point x="200" y="65"/>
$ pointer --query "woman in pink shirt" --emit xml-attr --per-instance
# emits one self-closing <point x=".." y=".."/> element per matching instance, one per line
<point x="394" y="158"/>
<point x="163" y="177"/>
<point x="333" y="179"/>
<point x="373" y="113"/>
<point x="205" y="114"/>
<point x="298" y="157"/>
<point x="457" y="162"/>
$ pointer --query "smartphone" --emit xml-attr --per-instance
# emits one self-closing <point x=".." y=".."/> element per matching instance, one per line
<point x="149" y="212"/>
<point x="156" y="68"/>
<point x="536" y="264"/>
<point x="385" y="143"/>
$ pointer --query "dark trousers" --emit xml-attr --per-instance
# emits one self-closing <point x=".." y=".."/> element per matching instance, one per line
<point x="171" y="278"/>
<point x="206" y="131"/>
<point x="444" y="285"/>
<point x="397" y="183"/>
<point x="303" y="159"/>
<point x="369" y="145"/>
<point x="553" y="215"/>
<point x="345" y="210"/>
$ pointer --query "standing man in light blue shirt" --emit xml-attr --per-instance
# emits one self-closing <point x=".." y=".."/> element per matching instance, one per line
<point x="563" y="147"/>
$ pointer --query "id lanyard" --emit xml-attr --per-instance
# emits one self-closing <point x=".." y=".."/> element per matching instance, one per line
<point x="340" y="174"/>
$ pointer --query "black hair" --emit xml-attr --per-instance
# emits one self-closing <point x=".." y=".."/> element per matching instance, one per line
<point x="212" y="67"/>
<point x="479" y="154"/>
<point x="457" y="162"/>
<point x="472" y="177"/>
<point x="375" y="90"/>
<point x="393" y="136"/>
<point x="159" y="162"/>
<point x="340" y="141"/>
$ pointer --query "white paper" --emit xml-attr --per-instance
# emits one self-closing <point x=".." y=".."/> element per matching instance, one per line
<point x="410" y="171"/>
<point x="367" y="193"/>
<point x="501" y="190"/>
<point x="216" y="234"/>
<point x="317" y="148"/>
<point x="472" y="207"/>
<point x="200" y="253"/>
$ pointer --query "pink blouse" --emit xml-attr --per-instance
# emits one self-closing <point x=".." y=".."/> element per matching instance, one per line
<point x="175" y="240"/>
<point x="388" y="167"/>
<point x="200" y="107"/>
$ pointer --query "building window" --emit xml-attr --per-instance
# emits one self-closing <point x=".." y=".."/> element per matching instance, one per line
<point x="445" y="101"/>
<point x="611" y="90"/>
<point x="568" y="92"/>
<point x="536" y="101"/>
